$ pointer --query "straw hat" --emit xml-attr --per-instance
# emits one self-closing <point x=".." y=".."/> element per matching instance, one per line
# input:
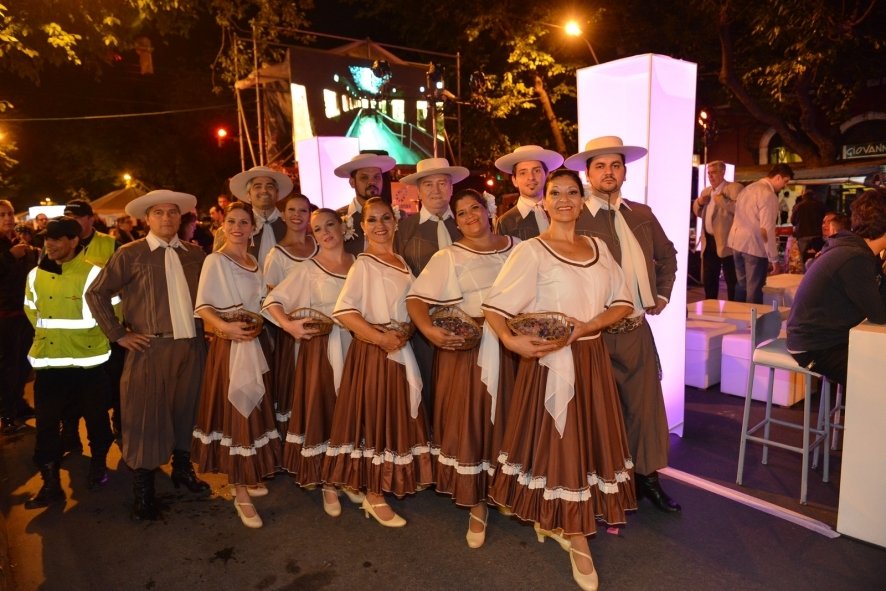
<point x="607" y="144"/>
<point x="430" y="166"/>
<point x="385" y="163"/>
<point x="551" y="159"/>
<point x="239" y="182"/>
<point x="138" y="207"/>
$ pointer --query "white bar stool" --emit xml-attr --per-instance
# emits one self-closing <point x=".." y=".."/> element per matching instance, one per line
<point x="771" y="352"/>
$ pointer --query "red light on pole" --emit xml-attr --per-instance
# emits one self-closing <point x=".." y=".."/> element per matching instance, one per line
<point x="490" y="183"/>
<point x="221" y="134"/>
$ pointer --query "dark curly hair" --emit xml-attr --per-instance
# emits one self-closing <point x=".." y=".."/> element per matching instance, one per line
<point x="869" y="214"/>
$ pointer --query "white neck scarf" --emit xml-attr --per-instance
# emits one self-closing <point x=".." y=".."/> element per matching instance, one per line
<point x="525" y="205"/>
<point x="443" y="237"/>
<point x="268" y="240"/>
<point x="633" y="261"/>
<point x="181" y="308"/>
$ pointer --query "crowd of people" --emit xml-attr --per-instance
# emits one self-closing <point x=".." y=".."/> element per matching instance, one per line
<point x="363" y="352"/>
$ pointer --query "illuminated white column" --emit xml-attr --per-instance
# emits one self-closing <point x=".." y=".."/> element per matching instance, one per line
<point x="649" y="100"/>
<point x="317" y="159"/>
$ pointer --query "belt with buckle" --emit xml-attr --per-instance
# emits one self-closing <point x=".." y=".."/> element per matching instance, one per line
<point x="626" y="325"/>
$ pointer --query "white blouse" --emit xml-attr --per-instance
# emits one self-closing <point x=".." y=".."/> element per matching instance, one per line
<point x="537" y="279"/>
<point x="377" y="291"/>
<point x="311" y="285"/>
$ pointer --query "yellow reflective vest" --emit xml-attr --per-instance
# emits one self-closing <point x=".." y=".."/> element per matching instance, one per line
<point x="65" y="333"/>
<point x="100" y="249"/>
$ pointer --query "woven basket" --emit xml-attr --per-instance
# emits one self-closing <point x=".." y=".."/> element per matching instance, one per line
<point x="404" y="328"/>
<point x="456" y="321"/>
<point x="240" y="315"/>
<point x="549" y="326"/>
<point x="320" y="322"/>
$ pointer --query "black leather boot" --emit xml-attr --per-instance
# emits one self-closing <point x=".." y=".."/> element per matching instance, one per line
<point x="51" y="491"/>
<point x="183" y="473"/>
<point x="144" y="508"/>
<point x="648" y="486"/>
<point x="98" y="471"/>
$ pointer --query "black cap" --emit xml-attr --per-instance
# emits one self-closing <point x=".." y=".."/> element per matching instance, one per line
<point x="63" y="227"/>
<point x="78" y="208"/>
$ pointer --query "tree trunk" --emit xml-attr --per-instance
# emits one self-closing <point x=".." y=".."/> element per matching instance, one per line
<point x="549" y="114"/>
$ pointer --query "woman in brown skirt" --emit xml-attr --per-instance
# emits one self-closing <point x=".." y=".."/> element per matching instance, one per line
<point x="564" y="459"/>
<point x="469" y="407"/>
<point x="314" y="285"/>
<point x="296" y="247"/>
<point x="235" y="432"/>
<point x="379" y="440"/>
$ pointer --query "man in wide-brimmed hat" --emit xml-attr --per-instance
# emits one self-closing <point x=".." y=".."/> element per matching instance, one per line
<point x="649" y="261"/>
<point x="156" y="277"/>
<point x="419" y="236"/>
<point x="261" y="187"/>
<point x="365" y="173"/>
<point x="529" y="167"/>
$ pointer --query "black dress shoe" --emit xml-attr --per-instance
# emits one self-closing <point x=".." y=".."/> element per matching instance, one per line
<point x="9" y="426"/>
<point x="648" y="486"/>
<point x="183" y="473"/>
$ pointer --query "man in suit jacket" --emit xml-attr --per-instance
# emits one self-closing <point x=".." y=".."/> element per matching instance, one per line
<point x="716" y="208"/>
<point x="261" y="187"/>
<point x="529" y="167"/>
<point x="364" y="172"/>
<point x="649" y="261"/>
<point x="420" y="236"/>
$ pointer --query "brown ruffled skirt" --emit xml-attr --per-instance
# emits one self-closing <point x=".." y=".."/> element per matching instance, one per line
<point x="312" y="402"/>
<point x="247" y="449"/>
<point x="567" y="482"/>
<point x="466" y="440"/>
<point x="282" y="376"/>
<point x="375" y="445"/>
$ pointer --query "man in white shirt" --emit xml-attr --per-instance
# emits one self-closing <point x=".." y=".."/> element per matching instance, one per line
<point x="364" y="172"/>
<point x="716" y="208"/>
<point x="529" y="167"/>
<point x="262" y="188"/>
<point x="752" y="238"/>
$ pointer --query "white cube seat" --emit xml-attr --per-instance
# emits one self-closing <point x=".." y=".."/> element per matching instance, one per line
<point x="704" y="341"/>
<point x="734" y="365"/>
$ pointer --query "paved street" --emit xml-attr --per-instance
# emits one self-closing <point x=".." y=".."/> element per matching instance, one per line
<point x="91" y="544"/>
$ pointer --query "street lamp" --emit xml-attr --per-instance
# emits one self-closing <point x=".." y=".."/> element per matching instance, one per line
<point x="572" y="29"/>
<point x="127" y="179"/>
<point x="706" y="124"/>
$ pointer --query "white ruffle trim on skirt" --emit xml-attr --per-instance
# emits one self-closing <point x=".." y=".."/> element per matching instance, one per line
<point x="550" y="494"/>
<point x="282" y="418"/>
<point x="467" y="469"/>
<point x="307" y="452"/>
<point x="378" y="458"/>
<point x="236" y="450"/>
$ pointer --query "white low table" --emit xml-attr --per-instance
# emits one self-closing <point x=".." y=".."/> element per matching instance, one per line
<point x="862" y="513"/>
<point x="782" y="288"/>
<point x="736" y="313"/>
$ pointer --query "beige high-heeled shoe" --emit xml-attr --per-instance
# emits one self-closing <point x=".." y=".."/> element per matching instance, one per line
<point x="331" y="509"/>
<point x="476" y="538"/>
<point x="541" y="534"/>
<point x="253" y="522"/>
<point x="257" y="490"/>
<point x="355" y="496"/>
<point x="586" y="582"/>
<point x="369" y="510"/>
